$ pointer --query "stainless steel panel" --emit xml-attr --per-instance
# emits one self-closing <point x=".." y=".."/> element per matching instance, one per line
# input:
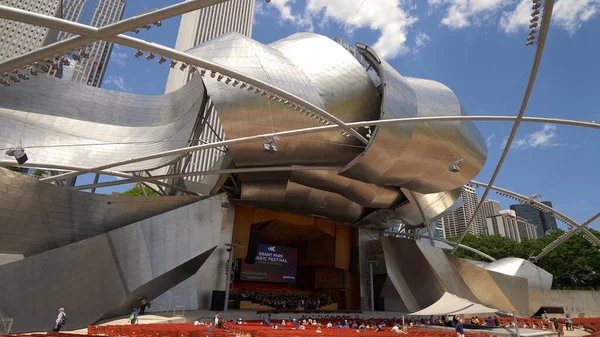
<point x="539" y="280"/>
<point x="245" y="113"/>
<point x="416" y="156"/>
<point x="37" y="216"/>
<point x="66" y="123"/>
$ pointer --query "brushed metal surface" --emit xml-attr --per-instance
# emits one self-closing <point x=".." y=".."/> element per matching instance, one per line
<point x="66" y="123"/>
<point x="539" y="280"/>
<point x="37" y="216"/>
<point x="422" y="273"/>
<point x="416" y="156"/>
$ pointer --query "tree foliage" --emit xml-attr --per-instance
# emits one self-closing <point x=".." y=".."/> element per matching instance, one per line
<point x="137" y="191"/>
<point x="575" y="264"/>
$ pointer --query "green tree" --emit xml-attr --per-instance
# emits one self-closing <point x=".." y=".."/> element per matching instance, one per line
<point x="137" y="191"/>
<point x="575" y="264"/>
<point x="39" y="173"/>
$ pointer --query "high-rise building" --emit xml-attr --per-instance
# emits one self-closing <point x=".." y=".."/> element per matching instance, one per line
<point x="455" y="222"/>
<point x="206" y="24"/>
<point x="548" y="221"/>
<point x="509" y="225"/>
<point x="543" y="222"/>
<point x="503" y="224"/>
<point x="18" y="38"/>
<point x="96" y="13"/>
<point x="489" y="208"/>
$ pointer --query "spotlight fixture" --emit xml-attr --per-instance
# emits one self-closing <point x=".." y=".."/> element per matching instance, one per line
<point x="150" y="56"/>
<point x="162" y="60"/>
<point x="138" y="53"/>
<point x="250" y="87"/>
<point x="183" y="66"/>
<point x="220" y="77"/>
<point x="4" y="82"/>
<point x="19" y="154"/>
<point x="228" y="80"/>
<point x="135" y="30"/>
<point x="33" y="71"/>
<point x="202" y="72"/>
<point x="158" y="23"/>
<point x="85" y="52"/>
<point x="65" y="61"/>
<point x="534" y="19"/>
<point x="242" y="86"/>
<point x="455" y="165"/>
<point x="192" y="69"/>
<point x="213" y="74"/>
<point x="173" y="64"/>
<point x="45" y="68"/>
<point x="14" y="78"/>
<point x="529" y="43"/>
<point x="24" y="77"/>
<point x="535" y="12"/>
<point x="235" y="83"/>
<point x="533" y="25"/>
<point x="269" y="146"/>
<point x="146" y="26"/>
<point x="76" y="57"/>
<point x="536" y="5"/>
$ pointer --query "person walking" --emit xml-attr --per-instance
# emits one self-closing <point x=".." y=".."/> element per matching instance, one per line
<point x="144" y="304"/>
<point x="133" y="318"/>
<point x="61" y="320"/>
<point x="460" y="331"/>
<point x="216" y="322"/>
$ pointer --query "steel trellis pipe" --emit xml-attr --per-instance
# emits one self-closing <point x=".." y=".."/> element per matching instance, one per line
<point x="566" y="236"/>
<point x="296" y="132"/>
<point x="543" y="206"/>
<point x="549" y="4"/>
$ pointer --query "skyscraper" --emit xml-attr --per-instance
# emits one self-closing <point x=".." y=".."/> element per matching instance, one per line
<point x="455" y="222"/>
<point x="206" y="24"/>
<point x="18" y="38"/>
<point x="490" y="208"/>
<point x="503" y="224"/>
<point x="548" y="220"/>
<point x="543" y="222"/>
<point x="97" y="13"/>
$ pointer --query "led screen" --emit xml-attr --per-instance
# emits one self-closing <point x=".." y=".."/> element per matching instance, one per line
<point x="275" y="264"/>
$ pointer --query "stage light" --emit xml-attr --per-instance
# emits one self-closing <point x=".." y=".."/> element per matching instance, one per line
<point x="536" y="5"/>
<point x="24" y="77"/>
<point x="455" y="165"/>
<point x="65" y="61"/>
<point x="532" y="31"/>
<point x="183" y="66"/>
<point x="530" y="38"/>
<point x="268" y="147"/>
<point x="228" y="80"/>
<point x="85" y="52"/>
<point x="250" y="87"/>
<point x="135" y="30"/>
<point x="213" y="74"/>
<point x="263" y="93"/>
<point x="220" y="77"/>
<point x="235" y="83"/>
<point x="150" y="56"/>
<point x="173" y="64"/>
<point x="146" y="26"/>
<point x="138" y="53"/>
<point x="243" y="86"/>
<point x="533" y="25"/>
<point x="19" y="154"/>
<point x="202" y="72"/>
<point x="162" y="60"/>
<point x="192" y="69"/>
<point x="14" y="78"/>
<point x="529" y="43"/>
<point x="4" y="82"/>
<point x="534" y="19"/>
<point x="535" y="12"/>
<point x="76" y="57"/>
<point x="158" y="23"/>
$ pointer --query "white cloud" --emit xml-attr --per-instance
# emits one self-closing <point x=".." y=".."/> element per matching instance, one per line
<point x="464" y="13"/>
<point x="422" y="40"/>
<point x="571" y="14"/>
<point x="488" y="140"/>
<point x="542" y="138"/>
<point x="512" y="21"/>
<point x="513" y="15"/>
<point x="117" y="81"/>
<point x="119" y="57"/>
<point x="391" y="18"/>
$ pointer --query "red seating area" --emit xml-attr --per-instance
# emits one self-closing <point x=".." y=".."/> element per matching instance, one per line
<point x="590" y="324"/>
<point x="156" y="330"/>
<point x="255" y="329"/>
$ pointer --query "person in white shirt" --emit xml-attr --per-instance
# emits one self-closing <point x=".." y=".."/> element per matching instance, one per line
<point x="197" y="322"/>
<point x="216" y="323"/>
<point x="60" y="320"/>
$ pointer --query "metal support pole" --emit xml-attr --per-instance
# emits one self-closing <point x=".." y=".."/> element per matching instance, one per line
<point x="230" y="248"/>
<point x="371" y="283"/>
<point x="516" y="323"/>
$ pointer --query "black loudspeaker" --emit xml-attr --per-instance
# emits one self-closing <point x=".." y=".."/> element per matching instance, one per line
<point x="218" y="301"/>
<point x="253" y="246"/>
<point x="353" y="268"/>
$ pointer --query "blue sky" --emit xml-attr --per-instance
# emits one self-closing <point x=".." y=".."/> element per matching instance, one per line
<point x="477" y="48"/>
